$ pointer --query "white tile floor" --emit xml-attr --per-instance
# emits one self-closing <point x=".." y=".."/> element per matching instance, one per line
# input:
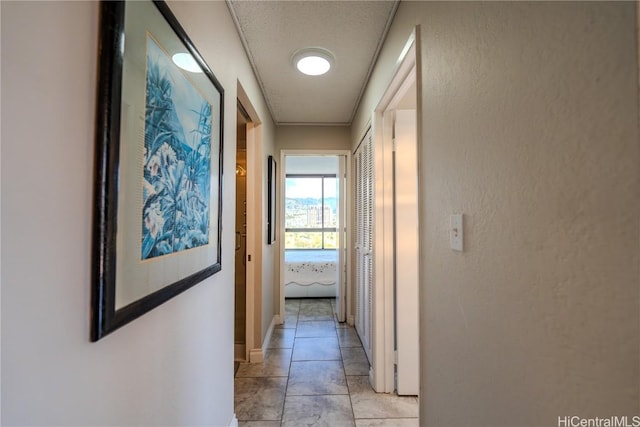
<point x="315" y="373"/>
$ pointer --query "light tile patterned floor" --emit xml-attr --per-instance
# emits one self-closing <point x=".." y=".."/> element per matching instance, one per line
<point x="315" y="373"/>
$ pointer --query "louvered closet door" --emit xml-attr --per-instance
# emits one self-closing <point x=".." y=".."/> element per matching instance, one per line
<point x="364" y="240"/>
<point x="358" y="236"/>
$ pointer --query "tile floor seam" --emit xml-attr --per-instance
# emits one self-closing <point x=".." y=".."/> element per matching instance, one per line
<point x="286" y="388"/>
<point x="353" y="413"/>
<point x="315" y="395"/>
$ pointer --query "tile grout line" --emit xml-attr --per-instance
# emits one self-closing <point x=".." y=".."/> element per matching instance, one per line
<point x="346" y="380"/>
<point x="335" y="334"/>
<point x="286" y="388"/>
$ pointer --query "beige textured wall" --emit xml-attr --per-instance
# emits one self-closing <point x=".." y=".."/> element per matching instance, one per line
<point x="313" y="138"/>
<point x="530" y="127"/>
<point x="197" y="15"/>
<point x="172" y="366"/>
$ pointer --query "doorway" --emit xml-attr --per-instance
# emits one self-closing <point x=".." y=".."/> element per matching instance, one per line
<point x="314" y="223"/>
<point x="395" y="311"/>
<point x="240" y="324"/>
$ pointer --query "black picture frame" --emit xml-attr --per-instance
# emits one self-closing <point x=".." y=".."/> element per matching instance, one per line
<point x="271" y="203"/>
<point x="133" y="235"/>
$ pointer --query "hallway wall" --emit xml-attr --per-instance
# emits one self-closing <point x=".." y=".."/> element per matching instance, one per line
<point x="529" y="128"/>
<point x="172" y="366"/>
<point x="313" y="138"/>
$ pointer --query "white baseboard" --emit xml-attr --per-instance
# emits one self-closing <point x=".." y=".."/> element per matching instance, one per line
<point x="256" y="355"/>
<point x="234" y="421"/>
<point x="372" y="381"/>
<point x="267" y="337"/>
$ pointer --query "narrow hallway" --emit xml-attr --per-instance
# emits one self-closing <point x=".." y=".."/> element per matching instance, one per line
<point x="315" y="373"/>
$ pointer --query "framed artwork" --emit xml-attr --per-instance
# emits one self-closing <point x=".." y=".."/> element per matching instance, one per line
<point x="271" y="203"/>
<point x="158" y="171"/>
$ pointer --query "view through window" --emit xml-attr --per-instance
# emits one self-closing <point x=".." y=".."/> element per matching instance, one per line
<point x="311" y="212"/>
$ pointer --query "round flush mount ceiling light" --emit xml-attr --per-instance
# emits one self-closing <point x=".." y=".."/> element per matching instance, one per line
<point x="313" y="61"/>
<point x="186" y="62"/>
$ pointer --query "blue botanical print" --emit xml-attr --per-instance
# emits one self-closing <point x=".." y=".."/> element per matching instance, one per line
<point x="177" y="160"/>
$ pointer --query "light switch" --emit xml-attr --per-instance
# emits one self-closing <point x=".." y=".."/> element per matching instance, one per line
<point x="455" y="232"/>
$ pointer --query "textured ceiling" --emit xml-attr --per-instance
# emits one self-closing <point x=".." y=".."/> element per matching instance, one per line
<point x="272" y="31"/>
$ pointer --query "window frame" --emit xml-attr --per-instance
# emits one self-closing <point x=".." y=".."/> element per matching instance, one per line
<point x="322" y="229"/>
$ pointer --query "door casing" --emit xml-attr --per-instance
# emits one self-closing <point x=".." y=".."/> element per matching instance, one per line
<point x="254" y="230"/>
<point x="406" y="76"/>
<point x="281" y="226"/>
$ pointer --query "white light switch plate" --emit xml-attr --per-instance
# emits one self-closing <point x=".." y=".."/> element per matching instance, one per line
<point x="456" y="232"/>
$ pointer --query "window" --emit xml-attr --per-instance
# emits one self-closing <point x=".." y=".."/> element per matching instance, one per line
<point x="310" y="212"/>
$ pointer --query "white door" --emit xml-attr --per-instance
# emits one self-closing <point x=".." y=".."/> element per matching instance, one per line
<point x="364" y="175"/>
<point x="406" y="251"/>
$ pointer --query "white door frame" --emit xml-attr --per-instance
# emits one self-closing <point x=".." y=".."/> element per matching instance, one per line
<point x="406" y="241"/>
<point x="254" y="229"/>
<point x="281" y="227"/>
<point x="382" y="375"/>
